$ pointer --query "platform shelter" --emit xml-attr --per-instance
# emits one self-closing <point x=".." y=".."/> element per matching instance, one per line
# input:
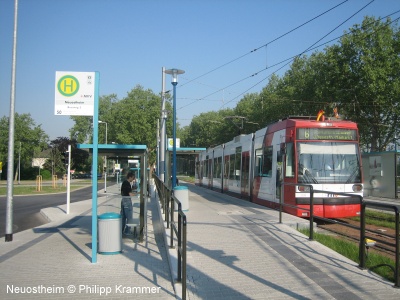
<point x="185" y="161"/>
<point x="122" y="154"/>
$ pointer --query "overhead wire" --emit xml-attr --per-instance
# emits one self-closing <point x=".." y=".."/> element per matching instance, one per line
<point x="288" y="60"/>
<point x="264" y="69"/>
<point x="270" y="42"/>
<point x="303" y="51"/>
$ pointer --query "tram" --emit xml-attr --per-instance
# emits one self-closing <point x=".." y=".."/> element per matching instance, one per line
<point x="286" y="158"/>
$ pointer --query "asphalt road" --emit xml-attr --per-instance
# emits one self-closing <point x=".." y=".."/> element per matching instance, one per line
<point x="26" y="209"/>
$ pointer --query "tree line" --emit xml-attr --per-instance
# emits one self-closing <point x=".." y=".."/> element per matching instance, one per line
<point x="357" y="78"/>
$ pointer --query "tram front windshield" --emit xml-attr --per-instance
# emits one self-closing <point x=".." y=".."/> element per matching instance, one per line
<point x="328" y="162"/>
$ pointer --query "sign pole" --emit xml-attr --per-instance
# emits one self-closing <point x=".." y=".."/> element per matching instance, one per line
<point x="75" y="95"/>
<point x="69" y="179"/>
<point x="94" y="166"/>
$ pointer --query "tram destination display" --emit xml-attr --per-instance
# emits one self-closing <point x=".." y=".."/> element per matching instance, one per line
<point x="326" y="134"/>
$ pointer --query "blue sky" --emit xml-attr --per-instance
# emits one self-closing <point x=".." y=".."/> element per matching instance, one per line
<point x="129" y="41"/>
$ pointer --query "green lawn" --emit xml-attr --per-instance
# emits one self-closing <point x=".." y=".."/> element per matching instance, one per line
<point x="374" y="261"/>
<point x="29" y="187"/>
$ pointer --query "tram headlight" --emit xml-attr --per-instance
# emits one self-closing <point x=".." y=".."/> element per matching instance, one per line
<point x="357" y="188"/>
<point x="304" y="188"/>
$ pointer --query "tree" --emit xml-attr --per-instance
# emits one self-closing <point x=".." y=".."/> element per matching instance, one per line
<point x="80" y="161"/>
<point x="29" y="139"/>
<point x="366" y="69"/>
<point x="132" y="120"/>
<point x="82" y="130"/>
<point x="209" y="129"/>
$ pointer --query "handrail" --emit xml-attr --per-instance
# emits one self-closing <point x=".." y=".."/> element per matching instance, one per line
<point x="363" y="237"/>
<point x="168" y="201"/>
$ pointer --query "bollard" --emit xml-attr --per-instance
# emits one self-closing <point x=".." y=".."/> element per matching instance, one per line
<point x="182" y="194"/>
<point x="38" y="183"/>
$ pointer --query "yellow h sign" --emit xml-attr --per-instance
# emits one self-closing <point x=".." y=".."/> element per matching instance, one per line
<point x="68" y="85"/>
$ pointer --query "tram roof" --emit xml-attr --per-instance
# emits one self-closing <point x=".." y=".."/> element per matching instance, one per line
<point x="115" y="149"/>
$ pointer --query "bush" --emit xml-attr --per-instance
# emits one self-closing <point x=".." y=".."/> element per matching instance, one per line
<point x="29" y="173"/>
<point x="46" y="174"/>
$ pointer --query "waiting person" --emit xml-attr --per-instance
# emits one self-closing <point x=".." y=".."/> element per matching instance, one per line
<point x="126" y="202"/>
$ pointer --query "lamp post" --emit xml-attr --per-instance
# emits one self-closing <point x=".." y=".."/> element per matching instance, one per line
<point x="105" y="161"/>
<point x="174" y="81"/>
<point x="101" y="122"/>
<point x="19" y="164"/>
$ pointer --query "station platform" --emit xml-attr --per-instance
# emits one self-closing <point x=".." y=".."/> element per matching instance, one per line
<point x="239" y="250"/>
<point x="235" y="250"/>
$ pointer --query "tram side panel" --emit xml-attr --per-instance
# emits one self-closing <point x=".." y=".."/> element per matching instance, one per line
<point x="217" y="168"/>
<point x="268" y="167"/>
<point x="231" y="174"/>
<point x="237" y="156"/>
<point x="199" y="168"/>
<point x="245" y="166"/>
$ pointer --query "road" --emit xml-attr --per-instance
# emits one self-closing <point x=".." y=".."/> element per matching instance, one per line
<point x="26" y="209"/>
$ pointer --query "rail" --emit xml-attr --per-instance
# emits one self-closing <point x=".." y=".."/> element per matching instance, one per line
<point x="168" y="201"/>
<point x="363" y="236"/>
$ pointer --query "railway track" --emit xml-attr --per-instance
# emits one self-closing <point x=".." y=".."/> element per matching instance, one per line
<point x="385" y="237"/>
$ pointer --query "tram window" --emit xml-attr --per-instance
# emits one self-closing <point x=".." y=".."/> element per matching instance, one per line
<point x="217" y="167"/>
<point x="267" y="162"/>
<point x="238" y="157"/>
<point x="209" y="174"/>
<point x="205" y="168"/>
<point x="232" y="166"/>
<point x="226" y="167"/>
<point x="258" y="166"/>
<point x="289" y="172"/>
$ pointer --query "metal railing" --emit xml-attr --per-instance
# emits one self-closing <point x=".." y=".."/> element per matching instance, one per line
<point x="168" y="201"/>
<point x="363" y="236"/>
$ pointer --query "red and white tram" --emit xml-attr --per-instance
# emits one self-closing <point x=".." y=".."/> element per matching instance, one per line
<point x="266" y="165"/>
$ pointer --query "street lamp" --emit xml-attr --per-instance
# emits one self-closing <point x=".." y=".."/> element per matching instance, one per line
<point x="174" y="81"/>
<point x="105" y="161"/>
<point x="101" y="122"/>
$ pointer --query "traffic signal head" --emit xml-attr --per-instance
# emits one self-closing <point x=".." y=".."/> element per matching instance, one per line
<point x="64" y="158"/>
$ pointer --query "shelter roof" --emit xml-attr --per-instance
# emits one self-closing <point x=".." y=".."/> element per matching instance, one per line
<point x="116" y="149"/>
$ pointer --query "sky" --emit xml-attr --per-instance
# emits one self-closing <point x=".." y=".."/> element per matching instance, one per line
<point x="129" y="42"/>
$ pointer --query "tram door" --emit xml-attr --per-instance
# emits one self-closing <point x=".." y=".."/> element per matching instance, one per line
<point x="279" y="172"/>
<point x="245" y="174"/>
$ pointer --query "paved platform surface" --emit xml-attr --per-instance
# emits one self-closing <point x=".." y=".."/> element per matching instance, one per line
<point x="236" y="250"/>
<point x="54" y="261"/>
<point x="239" y="250"/>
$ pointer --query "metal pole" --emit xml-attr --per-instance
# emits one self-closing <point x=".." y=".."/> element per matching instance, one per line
<point x="174" y="139"/>
<point x="94" y="167"/>
<point x="158" y="147"/>
<point x="69" y="179"/>
<point x="19" y="164"/>
<point x="11" y="126"/>
<point x="105" y="161"/>
<point x="395" y="166"/>
<point x="163" y="130"/>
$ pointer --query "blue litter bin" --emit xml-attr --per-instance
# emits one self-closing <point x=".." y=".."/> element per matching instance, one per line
<point x="110" y="235"/>
<point x="182" y="194"/>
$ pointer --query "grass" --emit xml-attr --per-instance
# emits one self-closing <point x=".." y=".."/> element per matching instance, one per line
<point x="187" y="178"/>
<point x="29" y="188"/>
<point x="375" y="262"/>
<point x="378" y="218"/>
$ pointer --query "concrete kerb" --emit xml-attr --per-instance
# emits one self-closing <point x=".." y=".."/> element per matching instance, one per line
<point x="172" y="253"/>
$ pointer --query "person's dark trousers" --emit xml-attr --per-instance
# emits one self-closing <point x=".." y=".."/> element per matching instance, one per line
<point x="126" y="212"/>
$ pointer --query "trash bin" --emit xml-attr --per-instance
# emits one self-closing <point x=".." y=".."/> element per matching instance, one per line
<point x="182" y="194"/>
<point x="110" y="236"/>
